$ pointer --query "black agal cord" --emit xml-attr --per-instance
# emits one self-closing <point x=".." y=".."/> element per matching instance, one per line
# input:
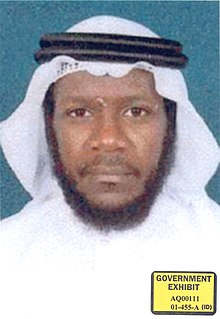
<point x="111" y="48"/>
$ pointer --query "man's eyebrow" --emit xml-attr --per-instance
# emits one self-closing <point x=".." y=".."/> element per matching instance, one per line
<point x="136" y="98"/>
<point x="72" y="99"/>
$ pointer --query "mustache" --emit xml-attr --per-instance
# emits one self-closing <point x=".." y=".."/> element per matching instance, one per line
<point x="109" y="164"/>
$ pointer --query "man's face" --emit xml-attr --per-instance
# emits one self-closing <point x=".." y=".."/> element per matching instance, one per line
<point x="110" y="134"/>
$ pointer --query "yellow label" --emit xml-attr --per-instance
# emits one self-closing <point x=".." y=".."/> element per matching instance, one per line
<point x="183" y="293"/>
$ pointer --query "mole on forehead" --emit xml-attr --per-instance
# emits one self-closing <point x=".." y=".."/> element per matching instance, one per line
<point x="140" y="86"/>
<point x="101" y="101"/>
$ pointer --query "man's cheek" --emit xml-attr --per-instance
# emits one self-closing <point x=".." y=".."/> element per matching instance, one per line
<point x="148" y="155"/>
<point x="69" y="157"/>
<point x="70" y="145"/>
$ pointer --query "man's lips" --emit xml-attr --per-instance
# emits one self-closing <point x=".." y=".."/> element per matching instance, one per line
<point x="109" y="179"/>
<point x="114" y="170"/>
<point x="109" y="171"/>
<point x="102" y="176"/>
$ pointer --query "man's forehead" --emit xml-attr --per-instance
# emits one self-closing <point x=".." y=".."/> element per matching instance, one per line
<point x="83" y="83"/>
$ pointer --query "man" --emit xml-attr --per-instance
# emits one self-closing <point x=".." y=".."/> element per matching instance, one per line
<point x="104" y="143"/>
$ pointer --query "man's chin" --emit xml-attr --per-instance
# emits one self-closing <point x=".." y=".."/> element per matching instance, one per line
<point x="110" y="202"/>
<point x="114" y="216"/>
<point x="110" y="211"/>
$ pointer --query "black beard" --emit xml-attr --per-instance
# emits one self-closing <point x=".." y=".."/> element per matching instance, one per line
<point x="130" y="215"/>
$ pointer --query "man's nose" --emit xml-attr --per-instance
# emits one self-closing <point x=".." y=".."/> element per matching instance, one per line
<point x="109" y="136"/>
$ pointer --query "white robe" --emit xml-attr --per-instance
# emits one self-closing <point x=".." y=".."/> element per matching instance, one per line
<point x="54" y="266"/>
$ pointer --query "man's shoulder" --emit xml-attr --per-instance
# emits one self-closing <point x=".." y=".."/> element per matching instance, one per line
<point x="17" y="231"/>
<point x="34" y="222"/>
<point x="21" y="221"/>
<point x="16" y="235"/>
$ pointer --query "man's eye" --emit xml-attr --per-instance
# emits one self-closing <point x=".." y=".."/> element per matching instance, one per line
<point x="80" y="112"/>
<point x="137" y="112"/>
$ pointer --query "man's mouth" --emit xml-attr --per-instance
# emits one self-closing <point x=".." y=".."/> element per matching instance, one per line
<point x="113" y="179"/>
<point x="109" y="171"/>
<point x="109" y="178"/>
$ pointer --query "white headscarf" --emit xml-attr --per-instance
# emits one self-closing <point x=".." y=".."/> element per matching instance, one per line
<point x="23" y="137"/>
